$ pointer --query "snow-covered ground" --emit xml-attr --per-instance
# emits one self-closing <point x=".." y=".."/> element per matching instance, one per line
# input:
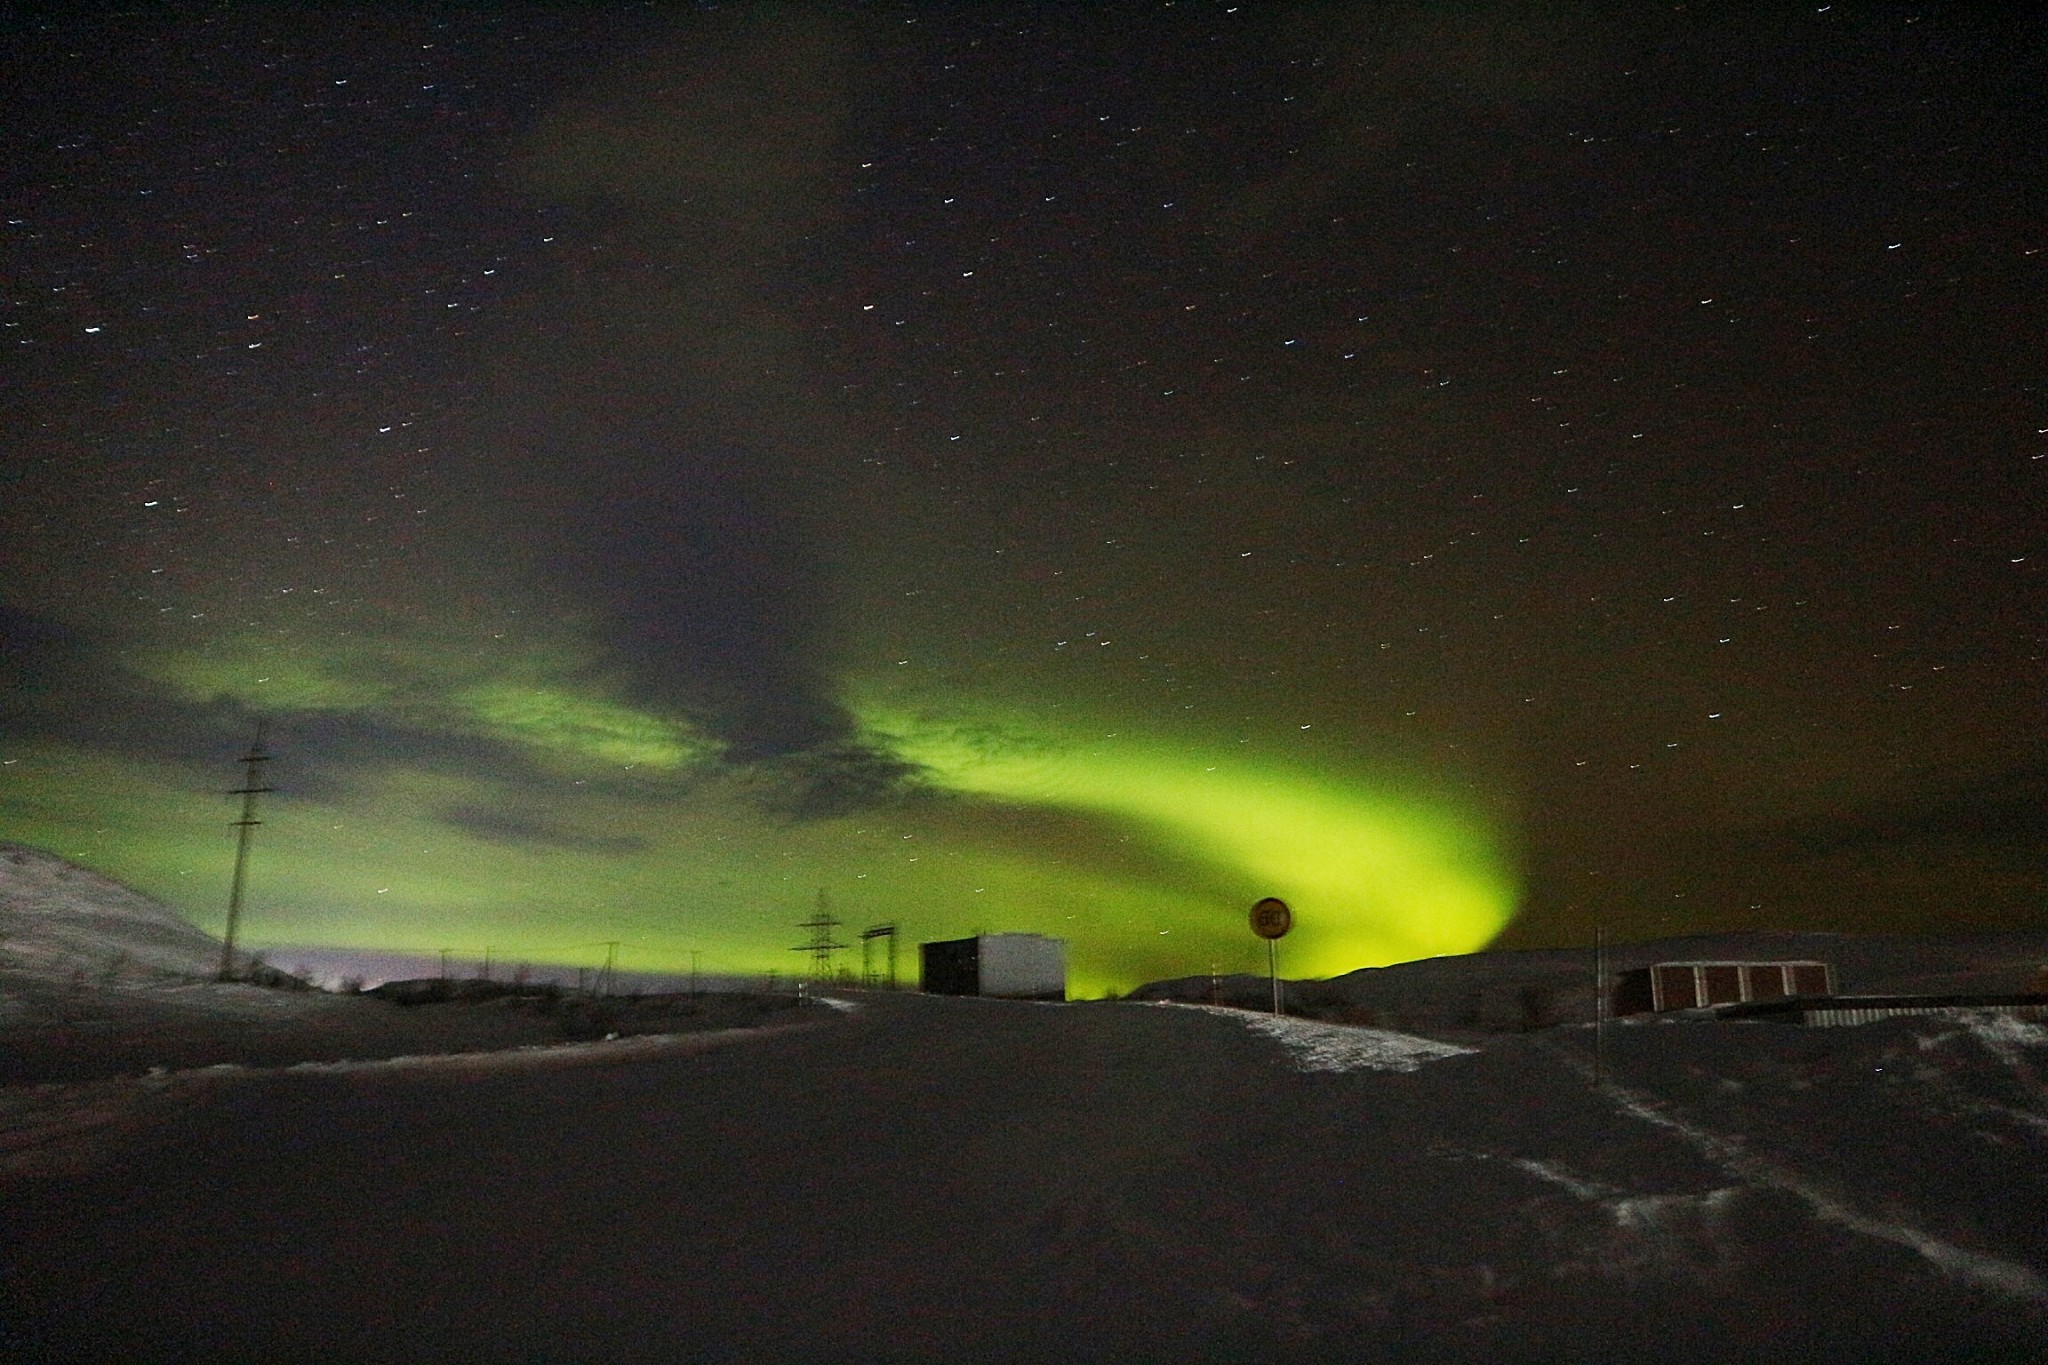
<point x="981" y="1180"/>
<point x="1339" y="1047"/>
<point x="986" y="1180"/>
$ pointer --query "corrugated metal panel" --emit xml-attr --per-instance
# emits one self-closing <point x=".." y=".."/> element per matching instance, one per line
<point x="1865" y="1009"/>
<point x="1691" y="985"/>
<point x="1827" y="1016"/>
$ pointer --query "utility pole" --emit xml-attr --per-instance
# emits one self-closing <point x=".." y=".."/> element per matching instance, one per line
<point x="693" y="973"/>
<point x="1599" y="1006"/>
<point x="607" y="976"/>
<point x="250" y="789"/>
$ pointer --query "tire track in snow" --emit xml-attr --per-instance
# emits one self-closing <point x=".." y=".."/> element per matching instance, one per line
<point x="2008" y="1278"/>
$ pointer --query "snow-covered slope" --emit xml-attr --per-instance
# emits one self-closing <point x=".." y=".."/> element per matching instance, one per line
<point x="57" y="918"/>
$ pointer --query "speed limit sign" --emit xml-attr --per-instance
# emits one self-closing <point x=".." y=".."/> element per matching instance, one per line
<point x="1271" y="918"/>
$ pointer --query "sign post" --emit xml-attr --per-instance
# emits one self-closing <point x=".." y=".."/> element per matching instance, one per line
<point x="1271" y="919"/>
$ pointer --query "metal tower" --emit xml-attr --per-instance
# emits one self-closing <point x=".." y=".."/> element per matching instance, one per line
<point x="867" y="944"/>
<point x="822" y="945"/>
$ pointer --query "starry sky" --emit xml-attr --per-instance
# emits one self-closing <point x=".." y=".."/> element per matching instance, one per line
<point x="1476" y="471"/>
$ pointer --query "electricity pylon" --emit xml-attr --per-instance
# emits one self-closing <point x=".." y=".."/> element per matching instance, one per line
<point x="250" y="789"/>
<point x="822" y="945"/>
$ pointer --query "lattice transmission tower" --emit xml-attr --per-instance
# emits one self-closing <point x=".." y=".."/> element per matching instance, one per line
<point x="821" y="945"/>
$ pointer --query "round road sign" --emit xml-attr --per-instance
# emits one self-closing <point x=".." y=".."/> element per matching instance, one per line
<point x="1271" y="918"/>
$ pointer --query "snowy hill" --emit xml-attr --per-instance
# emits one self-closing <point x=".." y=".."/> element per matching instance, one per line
<point x="57" y="918"/>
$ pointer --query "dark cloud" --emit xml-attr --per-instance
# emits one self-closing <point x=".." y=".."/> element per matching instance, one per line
<point x="2005" y="813"/>
<point x="839" y="779"/>
<point x="526" y="830"/>
<point x="56" y="685"/>
<point x="324" y="754"/>
<point x="651" y="380"/>
<point x="24" y="634"/>
<point x="37" y="652"/>
<point x="1094" y="843"/>
<point x="714" y="591"/>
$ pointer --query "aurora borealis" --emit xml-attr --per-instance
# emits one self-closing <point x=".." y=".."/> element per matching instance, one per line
<point x="1473" y="471"/>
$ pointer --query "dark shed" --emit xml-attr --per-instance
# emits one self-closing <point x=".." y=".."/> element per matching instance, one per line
<point x="952" y="967"/>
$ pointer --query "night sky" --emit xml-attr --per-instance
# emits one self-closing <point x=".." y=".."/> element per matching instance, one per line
<point x="1476" y="471"/>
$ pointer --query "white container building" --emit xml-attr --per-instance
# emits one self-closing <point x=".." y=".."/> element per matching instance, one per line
<point x="1008" y="966"/>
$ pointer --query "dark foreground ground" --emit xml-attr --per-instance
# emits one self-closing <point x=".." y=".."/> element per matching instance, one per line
<point x="960" y="1180"/>
<point x="60" y="1031"/>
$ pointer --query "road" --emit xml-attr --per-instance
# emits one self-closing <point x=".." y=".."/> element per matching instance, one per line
<point x="926" y="1179"/>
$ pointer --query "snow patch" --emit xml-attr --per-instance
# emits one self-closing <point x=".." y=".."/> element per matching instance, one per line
<point x="1338" y="1047"/>
<point x="1592" y="1191"/>
<point x="1646" y="1213"/>
<point x="58" y="919"/>
<point x="1660" y="1212"/>
<point x="2005" y="1037"/>
<point x="2005" y="1034"/>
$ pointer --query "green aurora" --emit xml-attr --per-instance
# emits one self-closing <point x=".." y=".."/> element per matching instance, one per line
<point x="1141" y="847"/>
<point x="651" y="464"/>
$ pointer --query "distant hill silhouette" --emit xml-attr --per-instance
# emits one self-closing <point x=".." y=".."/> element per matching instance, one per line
<point x="1534" y="988"/>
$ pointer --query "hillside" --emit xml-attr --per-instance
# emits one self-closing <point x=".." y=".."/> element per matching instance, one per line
<point x="98" y="981"/>
<point x="57" y="919"/>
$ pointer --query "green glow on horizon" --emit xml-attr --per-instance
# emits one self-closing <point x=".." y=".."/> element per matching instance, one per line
<point x="1142" y="848"/>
